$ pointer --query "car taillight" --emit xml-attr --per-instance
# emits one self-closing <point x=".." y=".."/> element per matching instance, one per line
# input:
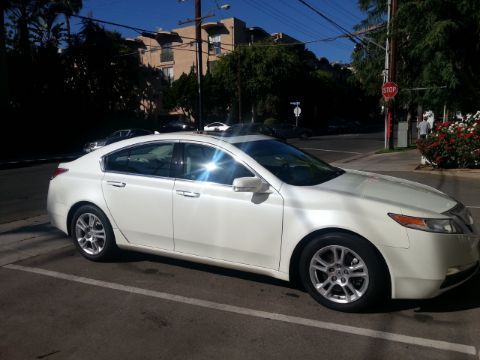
<point x="58" y="171"/>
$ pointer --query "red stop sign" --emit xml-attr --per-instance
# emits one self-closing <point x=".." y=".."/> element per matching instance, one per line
<point x="389" y="90"/>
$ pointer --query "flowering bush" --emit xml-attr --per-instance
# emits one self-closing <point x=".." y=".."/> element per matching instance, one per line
<point x="454" y="144"/>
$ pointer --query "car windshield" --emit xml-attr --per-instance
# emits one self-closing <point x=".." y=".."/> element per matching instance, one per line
<point x="288" y="163"/>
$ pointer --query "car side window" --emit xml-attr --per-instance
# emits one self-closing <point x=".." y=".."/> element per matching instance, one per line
<point x="117" y="161"/>
<point x="149" y="159"/>
<point x="205" y="163"/>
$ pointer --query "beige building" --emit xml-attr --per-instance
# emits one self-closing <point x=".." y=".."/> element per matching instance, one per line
<point x="175" y="53"/>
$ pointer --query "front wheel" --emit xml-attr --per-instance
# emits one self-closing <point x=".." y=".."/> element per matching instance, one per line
<point x="92" y="233"/>
<point x="343" y="272"/>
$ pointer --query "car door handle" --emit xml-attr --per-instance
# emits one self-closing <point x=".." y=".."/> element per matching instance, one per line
<point x="119" y="184"/>
<point x="188" y="193"/>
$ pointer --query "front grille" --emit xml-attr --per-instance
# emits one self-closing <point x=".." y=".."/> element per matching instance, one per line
<point x="451" y="280"/>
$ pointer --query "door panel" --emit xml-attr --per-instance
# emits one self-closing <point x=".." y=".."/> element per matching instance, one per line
<point x="142" y="209"/>
<point x="138" y="192"/>
<point x="212" y="220"/>
<point x="233" y="226"/>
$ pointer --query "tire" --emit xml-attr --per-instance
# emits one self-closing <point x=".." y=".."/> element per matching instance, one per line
<point x="92" y="234"/>
<point x="353" y="283"/>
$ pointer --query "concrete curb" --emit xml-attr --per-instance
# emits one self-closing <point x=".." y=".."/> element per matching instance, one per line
<point x="467" y="173"/>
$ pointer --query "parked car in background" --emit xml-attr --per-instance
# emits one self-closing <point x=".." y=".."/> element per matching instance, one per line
<point x="342" y="126"/>
<point x="114" y="137"/>
<point x="252" y="129"/>
<point x="216" y="126"/>
<point x="290" y="131"/>
<point x="254" y="203"/>
<point x="175" y="125"/>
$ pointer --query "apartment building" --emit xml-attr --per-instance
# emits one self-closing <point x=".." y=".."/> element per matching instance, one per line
<point x="174" y="52"/>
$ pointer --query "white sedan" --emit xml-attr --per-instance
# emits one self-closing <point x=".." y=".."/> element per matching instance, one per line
<point x="216" y="126"/>
<point x="257" y="204"/>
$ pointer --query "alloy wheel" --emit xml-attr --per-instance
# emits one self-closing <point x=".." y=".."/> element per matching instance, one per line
<point x="339" y="274"/>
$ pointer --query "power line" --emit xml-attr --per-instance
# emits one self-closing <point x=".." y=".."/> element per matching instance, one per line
<point x="337" y="6"/>
<point x="139" y="30"/>
<point x="281" y="18"/>
<point x="342" y="29"/>
<point x="304" y="15"/>
<point x="143" y="31"/>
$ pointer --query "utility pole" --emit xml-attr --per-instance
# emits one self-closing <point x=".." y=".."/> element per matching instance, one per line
<point x="391" y="70"/>
<point x="198" y="39"/>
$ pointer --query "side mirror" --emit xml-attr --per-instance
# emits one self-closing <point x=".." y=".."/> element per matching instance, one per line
<point x="250" y="184"/>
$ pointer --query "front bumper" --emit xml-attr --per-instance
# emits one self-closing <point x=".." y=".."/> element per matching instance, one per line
<point x="433" y="263"/>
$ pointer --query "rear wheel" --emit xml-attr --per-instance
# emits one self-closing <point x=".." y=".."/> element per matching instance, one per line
<point x="343" y="272"/>
<point x="92" y="233"/>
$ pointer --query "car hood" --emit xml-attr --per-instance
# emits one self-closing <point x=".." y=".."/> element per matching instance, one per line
<point x="403" y="193"/>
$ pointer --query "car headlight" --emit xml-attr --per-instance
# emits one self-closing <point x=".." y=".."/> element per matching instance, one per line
<point x="446" y="226"/>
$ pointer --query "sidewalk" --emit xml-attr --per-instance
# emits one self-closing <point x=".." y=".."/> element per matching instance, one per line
<point x="409" y="160"/>
<point x="30" y="237"/>
<point x="396" y="161"/>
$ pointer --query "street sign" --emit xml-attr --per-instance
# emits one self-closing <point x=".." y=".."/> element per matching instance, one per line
<point x="389" y="90"/>
<point x="297" y="111"/>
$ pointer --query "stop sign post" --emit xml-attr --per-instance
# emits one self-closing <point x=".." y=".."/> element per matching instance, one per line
<point x="389" y="90"/>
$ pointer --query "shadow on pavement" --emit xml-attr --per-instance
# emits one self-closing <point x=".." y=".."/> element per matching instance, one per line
<point x="131" y="257"/>
<point x="464" y="297"/>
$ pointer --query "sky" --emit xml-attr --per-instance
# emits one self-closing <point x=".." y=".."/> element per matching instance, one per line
<point x="287" y="16"/>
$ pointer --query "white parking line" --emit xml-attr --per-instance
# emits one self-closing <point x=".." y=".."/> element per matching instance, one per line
<point x="473" y="207"/>
<point x="337" y="151"/>
<point x="412" y="340"/>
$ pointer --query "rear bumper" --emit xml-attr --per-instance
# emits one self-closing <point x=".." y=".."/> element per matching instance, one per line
<point x="57" y="212"/>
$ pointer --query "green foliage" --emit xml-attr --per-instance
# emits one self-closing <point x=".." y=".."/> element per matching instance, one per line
<point x="437" y="45"/>
<point x="264" y="79"/>
<point x="182" y="94"/>
<point x="83" y="86"/>
<point x="271" y="121"/>
<point x="454" y="144"/>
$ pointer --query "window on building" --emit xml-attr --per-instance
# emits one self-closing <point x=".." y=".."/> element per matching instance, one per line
<point x="215" y="44"/>
<point x="168" y="73"/>
<point x="167" y="53"/>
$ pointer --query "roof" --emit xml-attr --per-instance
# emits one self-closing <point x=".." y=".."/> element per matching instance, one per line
<point x="191" y="135"/>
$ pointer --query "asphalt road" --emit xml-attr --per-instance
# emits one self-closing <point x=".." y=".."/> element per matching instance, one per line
<point x="60" y="306"/>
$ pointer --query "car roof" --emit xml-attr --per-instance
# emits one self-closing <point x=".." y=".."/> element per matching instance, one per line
<point x="195" y="136"/>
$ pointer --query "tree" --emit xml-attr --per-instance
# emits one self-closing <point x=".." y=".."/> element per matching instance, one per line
<point x="264" y="76"/>
<point x="437" y="46"/>
<point x="183" y="92"/>
<point x="182" y="95"/>
<point x="102" y="71"/>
